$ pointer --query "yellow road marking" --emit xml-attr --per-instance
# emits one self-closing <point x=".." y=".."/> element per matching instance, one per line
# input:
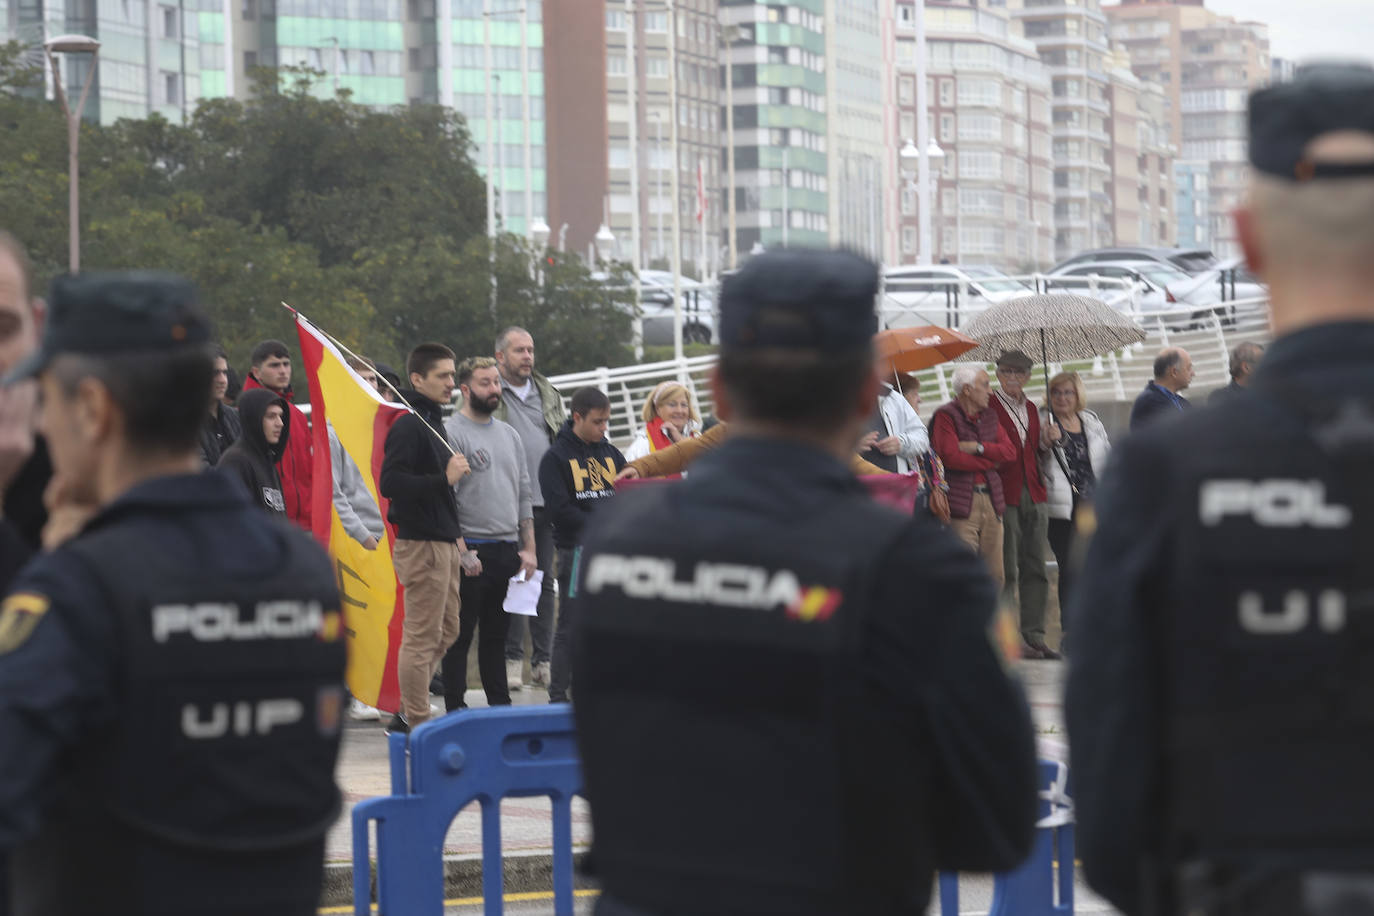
<point x="524" y="897"/>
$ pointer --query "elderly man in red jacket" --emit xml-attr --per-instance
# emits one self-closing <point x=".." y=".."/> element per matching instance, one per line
<point x="1027" y="518"/>
<point x="966" y="436"/>
<point x="271" y="369"/>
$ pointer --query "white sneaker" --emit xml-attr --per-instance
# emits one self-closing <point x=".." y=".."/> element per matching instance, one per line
<point x="541" y="675"/>
<point x="515" y="670"/>
<point x="361" y="712"/>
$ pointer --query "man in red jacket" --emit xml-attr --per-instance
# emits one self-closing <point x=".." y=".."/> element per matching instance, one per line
<point x="271" y="369"/>
<point x="1027" y="518"/>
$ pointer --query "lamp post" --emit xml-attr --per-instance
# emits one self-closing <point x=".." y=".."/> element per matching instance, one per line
<point x="605" y="243"/>
<point x="729" y="35"/>
<point x="72" y="44"/>
<point x="539" y="237"/>
<point x="916" y="169"/>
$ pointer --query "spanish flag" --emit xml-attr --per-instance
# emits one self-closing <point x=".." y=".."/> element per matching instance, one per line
<point x="372" y="596"/>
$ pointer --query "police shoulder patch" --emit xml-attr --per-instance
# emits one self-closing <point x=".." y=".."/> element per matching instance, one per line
<point x="19" y="614"/>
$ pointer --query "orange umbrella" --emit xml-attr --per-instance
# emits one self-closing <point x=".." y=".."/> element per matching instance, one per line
<point x="913" y="349"/>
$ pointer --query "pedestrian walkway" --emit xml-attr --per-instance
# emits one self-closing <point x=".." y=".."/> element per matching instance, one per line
<point x="525" y="822"/>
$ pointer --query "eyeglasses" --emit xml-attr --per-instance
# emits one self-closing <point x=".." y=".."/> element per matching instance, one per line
<point x="1063" y="393"/>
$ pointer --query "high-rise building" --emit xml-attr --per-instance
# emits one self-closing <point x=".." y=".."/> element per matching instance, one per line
<point x="1072" y="42"/>
<point x="1193" y="203"/>
<point x="782" y="167"/>
<point x="856" y="142"/>
<point x="989" y="99"/>
<point x="696" y="97"/>
<point x="1208" y="64"/>
<point x="1142" y="174"/>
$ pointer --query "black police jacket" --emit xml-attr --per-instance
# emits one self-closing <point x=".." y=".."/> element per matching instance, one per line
<point x="787" y="701"/>
<point x="170" y="703"/>
<point x="1220" y="702"/>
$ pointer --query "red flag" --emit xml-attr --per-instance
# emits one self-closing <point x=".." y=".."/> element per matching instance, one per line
<point x="373" y="600"/>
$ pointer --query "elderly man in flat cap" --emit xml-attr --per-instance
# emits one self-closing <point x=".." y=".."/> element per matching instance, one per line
<point x="1220" y="701"/>
<point x="809" y="670"/>
<point x="1026" y="522"/>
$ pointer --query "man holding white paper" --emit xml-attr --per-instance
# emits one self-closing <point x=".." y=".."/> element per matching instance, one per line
<point x="576" y="474"/>
<point x="497" y="519"/>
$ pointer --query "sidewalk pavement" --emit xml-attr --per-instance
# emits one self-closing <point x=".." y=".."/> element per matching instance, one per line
<point x="526" y="824"/>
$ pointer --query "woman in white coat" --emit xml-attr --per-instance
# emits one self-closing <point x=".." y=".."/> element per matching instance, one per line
<point x="1069" y="467"/>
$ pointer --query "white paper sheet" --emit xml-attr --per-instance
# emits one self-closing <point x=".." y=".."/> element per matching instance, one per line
<point x="522" y="595"/>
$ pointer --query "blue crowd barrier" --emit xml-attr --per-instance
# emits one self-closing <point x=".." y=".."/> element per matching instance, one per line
<point x="1030" y="889"/>
<point x="485" y="755"/>
<point x="481" y="755"/>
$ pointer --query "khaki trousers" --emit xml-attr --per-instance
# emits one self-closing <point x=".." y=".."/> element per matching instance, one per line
<point x="982" y="531"/>
<point x="429" y="572"/>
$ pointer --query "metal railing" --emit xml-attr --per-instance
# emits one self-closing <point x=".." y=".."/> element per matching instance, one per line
<point x="1208" y="333"/>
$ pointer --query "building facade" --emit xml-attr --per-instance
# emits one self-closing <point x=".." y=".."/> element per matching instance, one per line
<point x="694" y="98"/>
<point x="1207" y="64"/>
<point x="782" y="167"/>
<point x="1193" y="203"/>
<point x="1072" y="42"/>
<point x="856" y="139"/>
<point x="989" y="98"/>
<point x="1142" y="185"/>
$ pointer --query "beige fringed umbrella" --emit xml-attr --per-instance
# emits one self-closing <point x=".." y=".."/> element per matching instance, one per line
<point x="1058" y="326"/>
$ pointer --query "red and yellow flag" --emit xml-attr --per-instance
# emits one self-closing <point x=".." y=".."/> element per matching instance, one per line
<point x="372" y="596"/>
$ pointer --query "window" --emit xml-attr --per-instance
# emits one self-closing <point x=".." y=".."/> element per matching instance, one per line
<point x="656" y="22"/>
<point x="907" y="131"/>
<point x="615" y="65"/>
<point x="618" y="156"/>
<point x="367" y="63"/>
<point x="615" y="20"/>
<point x="979" y="164"/>
<point x="946" y="93"/>
<point x="250" y="59"/>
<point x="908" y="199"/>
<point x="905" y="90"/>
<point x="947" y="128"/>
<point x="250" y="11"/>
<point x="908" y="240"/>
<point x="980" y="127"/>
<point x="657" y="65"/>
<point x="978" y="91"/>
<point x="171" y="88"/>
<point x="313" y="60"/>
<point x="170" y="26"/>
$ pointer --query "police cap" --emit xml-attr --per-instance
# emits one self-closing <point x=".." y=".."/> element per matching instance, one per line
<point x="101" y="314"/>
<point x="800" y="299"/>
<point x="1321" y="99"/>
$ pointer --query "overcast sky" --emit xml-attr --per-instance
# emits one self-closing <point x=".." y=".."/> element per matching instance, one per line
<point x="1304" y="29"/>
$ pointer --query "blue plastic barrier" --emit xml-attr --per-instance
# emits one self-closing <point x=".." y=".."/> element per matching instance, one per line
<point x="1030" y="889"/>
<point x="481" y="755"/>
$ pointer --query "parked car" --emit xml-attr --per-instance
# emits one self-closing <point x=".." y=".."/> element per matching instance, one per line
<point x="1159" y="287"/>
<point x="1230" y="280"/>
<point x="1189" y="260"/>
<point x="939" y="293"/>
<point x="656" y="308"/>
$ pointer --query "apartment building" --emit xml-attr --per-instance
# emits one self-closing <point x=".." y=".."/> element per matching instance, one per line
<point x="861" y="187"/>
<point x="989" y="99"/>
<point x="1072" y="42"/>
<point x="1142" y="186"/>
<point x="1208" y="64"/>
<point x="694" y="99"/>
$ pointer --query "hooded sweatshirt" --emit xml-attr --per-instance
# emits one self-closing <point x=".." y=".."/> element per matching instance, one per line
<point x="295" y="464"/>
<point x="251" y="459"/>
<point x="423" y="507"/>
<point x="575" y="476"/>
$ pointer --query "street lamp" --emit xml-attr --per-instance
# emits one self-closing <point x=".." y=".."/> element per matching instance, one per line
<point x="72" y="44"/>
<point x="919" y="168"/>
<point x="540" y="232"/>
<point x="605" y="242"/>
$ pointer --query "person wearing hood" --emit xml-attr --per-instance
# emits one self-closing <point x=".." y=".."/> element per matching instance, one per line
<point x="576" y="475"/>
<point x="271" y="369"/>
<point x="253" y="458"/>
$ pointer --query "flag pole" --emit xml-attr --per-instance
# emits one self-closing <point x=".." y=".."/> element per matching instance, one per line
<point x="401" y="400"/>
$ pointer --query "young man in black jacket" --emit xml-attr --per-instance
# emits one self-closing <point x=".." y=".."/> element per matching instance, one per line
<point x="253" y="458"/>
<point x="576" y="474"/>
<point x="419" y="469"/>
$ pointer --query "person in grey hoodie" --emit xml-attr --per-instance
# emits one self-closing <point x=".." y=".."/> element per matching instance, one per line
<point x="358" y="511"/>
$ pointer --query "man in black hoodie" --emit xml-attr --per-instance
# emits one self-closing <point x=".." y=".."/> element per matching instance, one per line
<point x="419" y="470"/>
<point x="253" y="458"/>
<point x="576" y="474"/>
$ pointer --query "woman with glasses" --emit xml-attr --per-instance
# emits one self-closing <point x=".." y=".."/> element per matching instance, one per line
<point x="1069" y="468"/>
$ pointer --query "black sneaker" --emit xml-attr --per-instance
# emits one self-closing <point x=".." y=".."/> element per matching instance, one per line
<point x="398" y="725"/>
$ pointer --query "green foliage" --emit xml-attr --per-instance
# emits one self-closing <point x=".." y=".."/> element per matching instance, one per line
<point x="372" y="223"/>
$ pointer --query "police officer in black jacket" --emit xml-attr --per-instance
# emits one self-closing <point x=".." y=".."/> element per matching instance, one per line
<point x="1220" y="701"/>
<point x="787" y="698"/>
<point x="170" y="678"/>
